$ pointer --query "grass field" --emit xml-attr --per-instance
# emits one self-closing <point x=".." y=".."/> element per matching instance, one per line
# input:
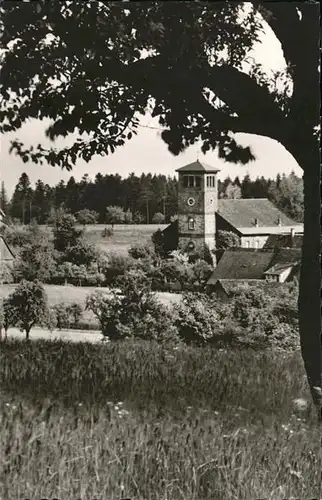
<point x="145" y="422"/>
<point x="124" y="236"/>
<point x="69" y="294"/>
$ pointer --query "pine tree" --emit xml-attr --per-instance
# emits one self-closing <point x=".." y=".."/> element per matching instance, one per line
<point x="20" y="206"/>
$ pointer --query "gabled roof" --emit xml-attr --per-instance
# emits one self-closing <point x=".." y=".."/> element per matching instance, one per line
<point x="250" y="264"/>
<point x="241" y="213"/>
<point x="242" y="264"/>
<point x="197" y="166"/>
<point x="230" y="285"/>
<point x="287" y="256"/>
<point x="279" y="268"/>
<point x="284" y="241"/>
<point x="5" y="252"/>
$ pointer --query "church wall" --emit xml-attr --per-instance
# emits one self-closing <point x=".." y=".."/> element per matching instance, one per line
<point x="198" y="241"/>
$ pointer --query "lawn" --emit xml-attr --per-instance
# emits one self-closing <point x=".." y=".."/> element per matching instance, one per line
<point x="140" y="421"/>
<point x="70" y="294"/>
<point x="124" y="236"/>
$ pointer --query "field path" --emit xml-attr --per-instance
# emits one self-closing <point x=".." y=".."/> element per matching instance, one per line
<point x="68" y="335"/>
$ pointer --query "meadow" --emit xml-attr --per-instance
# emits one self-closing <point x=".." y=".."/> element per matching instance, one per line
<point x="70" y="294"/>
<point x="124" y="236"/>
<point x="142" y="421"/>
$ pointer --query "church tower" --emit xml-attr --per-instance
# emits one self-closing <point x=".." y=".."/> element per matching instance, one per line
<point x="197" y="206"/>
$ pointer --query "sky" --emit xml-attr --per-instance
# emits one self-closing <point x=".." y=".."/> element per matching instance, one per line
<point x="146" y="152"/>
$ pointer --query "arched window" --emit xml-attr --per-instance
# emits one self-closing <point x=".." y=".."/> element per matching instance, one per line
<point x="191" y="223"/>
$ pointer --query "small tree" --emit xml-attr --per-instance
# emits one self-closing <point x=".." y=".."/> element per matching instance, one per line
<point x="7" y="316"/>
<point x="201" y="272"/>
<point x="28" y="304"/>
<point x="128" y="217"/>
<point x="65" y="271"/>
<point x="86" y="216"/>
<point x="115" y="215"/>
<point x="65" y="232"/>
<point x="36" y="261"/>
<point x="139" y="218"/>
<point x="81" y="253"/>
<point x="75" y="310"/>
<point x="62" y="315"/>
<point x="158" y="218"/>
<point x="98" y="305"/>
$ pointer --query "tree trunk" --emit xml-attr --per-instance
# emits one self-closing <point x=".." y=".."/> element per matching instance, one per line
<point x="310" y="278"/>
<point x="27" y="333"/>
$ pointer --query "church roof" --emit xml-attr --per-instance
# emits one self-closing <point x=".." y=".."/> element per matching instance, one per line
<point x="241" y="213"/>
<point x="197" y="166"/>
<point x="251" y="264"/>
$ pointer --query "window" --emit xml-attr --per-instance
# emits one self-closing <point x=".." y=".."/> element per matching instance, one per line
<point x="191" y="180"/>
<point x="185" y="181"/>
<point x="211" y="181"/>
<point x="256" y="243"/>
<point x="191" y="223"/>
<point x="247" y="243"/>
<point x="198" y="181"/>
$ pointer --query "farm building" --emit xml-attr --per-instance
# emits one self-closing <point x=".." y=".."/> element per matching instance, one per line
<point x="6" y="259"/>
<point x="284" y="241"/>
<point x="247" y="265"/>
<point x="201" y="214"/>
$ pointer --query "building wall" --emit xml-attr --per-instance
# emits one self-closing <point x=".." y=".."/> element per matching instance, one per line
<point x="284" y="275"/>
<point x="253" y="241"/>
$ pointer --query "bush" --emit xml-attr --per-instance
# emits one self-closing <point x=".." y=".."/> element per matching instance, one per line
<point x="35" y="261"/>
<point x="17" y="236"/>
<point x="75" y="310"/>
<point x="87" y="216"/>
<point x="107" y="232"/>
<point x="158" y="218"/>
<point x="196" y="320"/>
<point x="62" y="316"/>
<point x="117" y="266"/>
<point x="227" y="239"/>
<point x="142" y="252"/>
<point x="132" y="312"/>
<point x="68" y="316"/>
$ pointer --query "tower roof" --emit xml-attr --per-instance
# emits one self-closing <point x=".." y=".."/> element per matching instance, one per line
<point x="197" y="166"/>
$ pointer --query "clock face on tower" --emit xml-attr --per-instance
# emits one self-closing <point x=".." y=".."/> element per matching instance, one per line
<point x="191" y="201"/>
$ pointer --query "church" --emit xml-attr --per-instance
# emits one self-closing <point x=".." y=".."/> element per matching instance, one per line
<point x="201" y="214"/>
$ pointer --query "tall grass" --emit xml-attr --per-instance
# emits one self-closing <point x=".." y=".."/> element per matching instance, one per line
<point x="144" y="421"/>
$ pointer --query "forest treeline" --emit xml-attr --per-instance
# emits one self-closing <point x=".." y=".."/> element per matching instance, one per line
<point x="146" y="197"/>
